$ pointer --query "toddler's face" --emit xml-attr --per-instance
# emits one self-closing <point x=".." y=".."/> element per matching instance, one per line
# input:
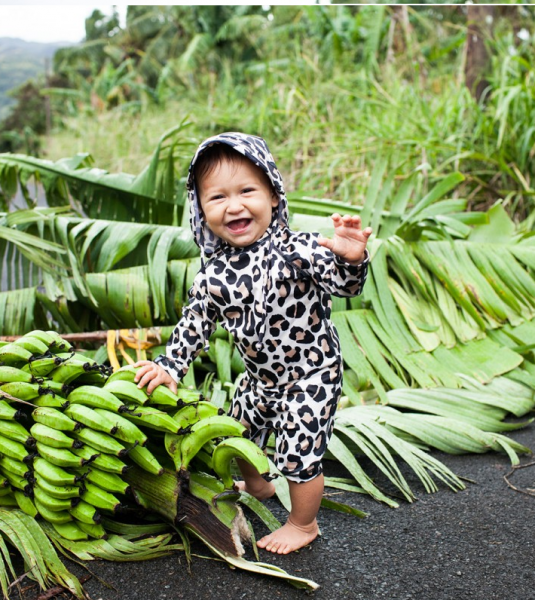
<point x="237" y="201"/>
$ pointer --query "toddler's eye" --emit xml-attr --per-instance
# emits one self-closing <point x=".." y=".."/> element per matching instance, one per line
<point x="247" y="190"/>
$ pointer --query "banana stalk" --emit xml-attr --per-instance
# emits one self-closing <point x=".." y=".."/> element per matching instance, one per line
<point x="193" y="507"/>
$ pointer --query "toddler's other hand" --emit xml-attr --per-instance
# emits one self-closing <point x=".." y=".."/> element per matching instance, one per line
<point x="152" y="374"/>
<point x="349" y="239"/>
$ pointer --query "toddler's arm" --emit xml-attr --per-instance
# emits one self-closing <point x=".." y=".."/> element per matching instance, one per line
<point x="152" y="375"/>
<point x="349" y="239"/>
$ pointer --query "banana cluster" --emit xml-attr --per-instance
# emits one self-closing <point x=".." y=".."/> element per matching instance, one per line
<point x="69" y="430"/>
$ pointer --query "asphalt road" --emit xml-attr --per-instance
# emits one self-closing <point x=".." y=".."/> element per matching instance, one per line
<point x="476" y="544"/>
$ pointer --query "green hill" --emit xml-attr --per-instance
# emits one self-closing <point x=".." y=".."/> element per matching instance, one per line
<point x="19" y="61"/>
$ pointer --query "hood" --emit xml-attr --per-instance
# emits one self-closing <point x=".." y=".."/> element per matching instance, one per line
<point x="256" y="150"/>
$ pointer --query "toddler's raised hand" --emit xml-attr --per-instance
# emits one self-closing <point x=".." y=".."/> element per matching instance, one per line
<point x="152" y="375"/>
<point x="349" y="239"/>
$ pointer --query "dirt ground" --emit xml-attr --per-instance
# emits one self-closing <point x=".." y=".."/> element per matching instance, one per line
<point x="477" y="544"/>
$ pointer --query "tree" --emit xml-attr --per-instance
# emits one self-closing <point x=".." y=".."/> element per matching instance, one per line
<point x="479" y="20"/>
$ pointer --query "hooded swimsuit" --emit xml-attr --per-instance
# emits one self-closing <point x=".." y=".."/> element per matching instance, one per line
<point x="274" y="297"/>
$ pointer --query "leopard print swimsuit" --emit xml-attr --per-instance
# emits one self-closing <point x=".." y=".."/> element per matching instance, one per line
<point x="274" y="298"/>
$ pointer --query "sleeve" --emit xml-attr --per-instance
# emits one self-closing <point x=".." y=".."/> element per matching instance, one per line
<point x="326" y="269"/>
<point x="191" y="333"/>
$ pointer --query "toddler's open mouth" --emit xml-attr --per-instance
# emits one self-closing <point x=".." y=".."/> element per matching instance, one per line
<point x="238" y="225"/>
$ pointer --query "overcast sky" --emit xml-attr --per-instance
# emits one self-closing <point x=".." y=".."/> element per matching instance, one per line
<point x="45" y="22"/>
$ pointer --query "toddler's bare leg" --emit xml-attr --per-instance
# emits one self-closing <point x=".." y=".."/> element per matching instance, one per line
<point x="301" y="528"/>
<point x="253" y="483"/>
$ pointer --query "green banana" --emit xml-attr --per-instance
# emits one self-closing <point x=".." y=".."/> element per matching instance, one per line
<point x="237" y="447"/>
<point x="12" y="374"/>
<point x="58" y="343"/>
<point x="206" y="430"/>
<point x="70" y="531"/>
<point x="62" y="492"/>
<point x="55" y="418"/>
<point x="20" y="483"/>
<point x="8" y="413"/>
<point x="91" y="418"/>
<point x="162" y="394"/>
<point x="14" y="449"/>
<point x="191" y="413"/>
<point x="15" y="466"/>
<point x="61" y="389"/>
<point x="100" y="441"/>
<point x="126" y="431"/>
<point x="53" y="437"/>
<point x="76" y="356"/>
<point x="172" y="443"/>
<point x="105" y="462"/>
<point x="21" y="390"/>
<point x="61" y="456"/>
<point x="95" y="397"/>
<point x="126" y="373"/>
<point x="145" y="459"/>
<point x="54" y="504"/>
<point x="52" y="516"/>
<point x="15" y="431"/>
<point x="50" y="400"/>
<point x="95" y="378"/>
<point x="53" y="473"/>
<point x="13" y="355"/>
<point x="42" y="336"/>
<point x="86" y="513"/>
<point x="94" y="530"/>
<point x="152" y="418"/>
<point x="41" y="367"/>
<point x="69" y="371"/>
<point x="32" y="344"/>
<point x="99" y="498"/>
<point x="111" y="482"/>
<point x="128" y="391"/>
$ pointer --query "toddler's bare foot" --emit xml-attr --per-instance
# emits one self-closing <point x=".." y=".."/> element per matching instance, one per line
<point x="261" y="491"/>
<point x="289" y="537"/>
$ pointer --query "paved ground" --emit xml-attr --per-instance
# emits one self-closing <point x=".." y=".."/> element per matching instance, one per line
<point x="477" y="544"/>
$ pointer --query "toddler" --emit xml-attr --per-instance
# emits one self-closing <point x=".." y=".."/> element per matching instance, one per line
<point x="270" y="287"/>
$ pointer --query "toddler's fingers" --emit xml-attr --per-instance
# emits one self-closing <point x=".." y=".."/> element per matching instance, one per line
<point x="325" y="242"/>
<point x="367" y="232"/>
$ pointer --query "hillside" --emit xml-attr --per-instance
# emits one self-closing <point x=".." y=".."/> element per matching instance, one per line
<point x="19" y="61"/>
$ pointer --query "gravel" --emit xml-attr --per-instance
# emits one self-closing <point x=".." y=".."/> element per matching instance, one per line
<point x="476" y="544"/>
